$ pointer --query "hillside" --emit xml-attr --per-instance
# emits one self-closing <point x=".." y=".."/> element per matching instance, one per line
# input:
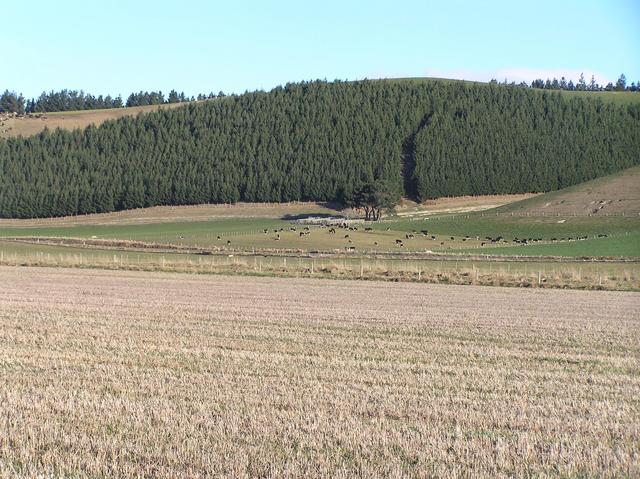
<point x="33" y="124"/>
<point x="613" y="97"/>
<point x="613" y="194"/>
<point x="318" y="141"/>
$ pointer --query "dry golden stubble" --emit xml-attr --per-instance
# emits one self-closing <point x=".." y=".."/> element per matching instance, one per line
<point x="120" y="374"/>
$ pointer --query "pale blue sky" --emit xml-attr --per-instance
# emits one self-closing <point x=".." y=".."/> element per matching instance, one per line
<point x="121" y="46"/>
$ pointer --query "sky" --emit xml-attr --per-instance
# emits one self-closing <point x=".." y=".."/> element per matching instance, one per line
<point x="121" y="46"/>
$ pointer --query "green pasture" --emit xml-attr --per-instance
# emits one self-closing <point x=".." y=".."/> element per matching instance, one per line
<point x="616" y="246"/>
<point x="469" y="231"/>
<point x="28" y="253"/>
<point x="509" y="227"/>
<point x="176" y="233"/>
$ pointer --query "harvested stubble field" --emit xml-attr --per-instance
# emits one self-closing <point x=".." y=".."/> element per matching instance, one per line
<point x="114" y="374"/>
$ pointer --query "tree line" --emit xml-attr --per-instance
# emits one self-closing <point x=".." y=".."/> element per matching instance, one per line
<point x="580" y="85"/>
<point x="66" y="100"/>
<point x="73" y="100"/>
<point x="323" y="141"/>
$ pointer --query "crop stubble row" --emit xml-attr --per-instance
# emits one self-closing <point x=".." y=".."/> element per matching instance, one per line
<point x="116" y="373"/>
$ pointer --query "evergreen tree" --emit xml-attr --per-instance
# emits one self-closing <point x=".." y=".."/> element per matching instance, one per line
<point x="12" y="102"/>
<point x="582" y="85"/>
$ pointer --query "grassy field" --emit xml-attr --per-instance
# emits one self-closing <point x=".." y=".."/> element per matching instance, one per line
<point x="613" y="194"/>
<point x="625" y="245"/>
<point x="114" y="374"/>
<point x="545" y="227"/>
<point x="71" y="120"/>
<point x="169" y="232"/>
<point x="609" y="275"/>
<point x="247" y="233"/>
<point x="232" y="238"/>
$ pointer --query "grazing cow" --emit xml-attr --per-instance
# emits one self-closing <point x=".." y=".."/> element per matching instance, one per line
<point x="452" y="238"/>
<point x="302" y="233"/>
<point x="265" y="231"/>
<point x="375" y="243"/>
<point x="277" y="238"/>
<point x="228" y="242"/>
<point x="332" y="231"/>
<point x="306" y="228"/>
<point x="441" y="243"/>
<point x="433" y="237"/>
<point x="398" y="242"/>
<point x="346" y="236"/>
<point x="180" y="236"/>
<point x="219" y="238"/>
<point x="368" y="229"/>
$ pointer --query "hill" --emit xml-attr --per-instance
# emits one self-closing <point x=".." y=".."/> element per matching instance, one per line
<point x="613" y="194"/>
<point x="318" y="141"/>
<point x="33" y="124"/>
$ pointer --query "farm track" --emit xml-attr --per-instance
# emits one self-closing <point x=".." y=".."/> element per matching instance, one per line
<point x="120" y="374"/>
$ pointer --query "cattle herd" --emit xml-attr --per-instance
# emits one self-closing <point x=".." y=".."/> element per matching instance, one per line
<point x="410" y="236"/>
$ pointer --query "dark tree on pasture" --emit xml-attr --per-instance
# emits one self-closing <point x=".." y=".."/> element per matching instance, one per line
<point x="374" y="198"/>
